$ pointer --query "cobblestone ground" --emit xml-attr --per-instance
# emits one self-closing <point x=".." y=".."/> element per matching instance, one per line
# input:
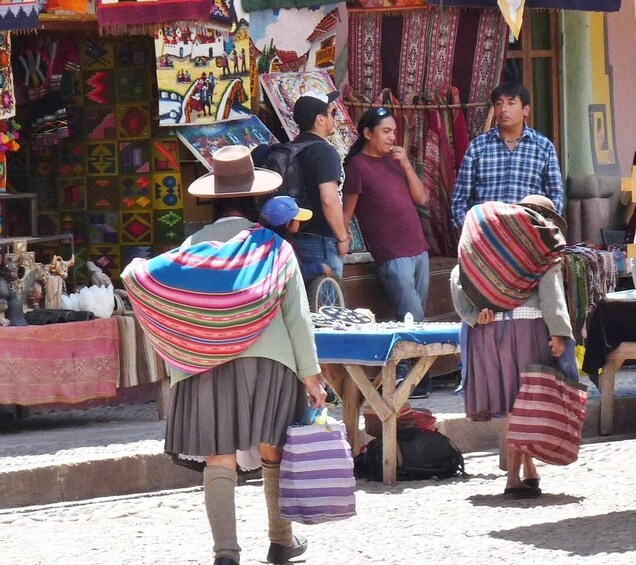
<point x="587" y="515"/>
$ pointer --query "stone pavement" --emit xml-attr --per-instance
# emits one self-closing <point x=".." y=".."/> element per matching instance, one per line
<point x="587" y="515"/>
<point x="74" y="454"/>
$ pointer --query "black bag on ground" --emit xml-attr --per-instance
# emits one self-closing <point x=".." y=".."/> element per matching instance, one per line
<point x="422" y="454"/>
<point x="283" y="159"/>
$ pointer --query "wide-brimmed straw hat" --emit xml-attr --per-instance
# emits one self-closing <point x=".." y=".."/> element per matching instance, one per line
<point x="235" y="175"/>
<point x="544" y="206"/>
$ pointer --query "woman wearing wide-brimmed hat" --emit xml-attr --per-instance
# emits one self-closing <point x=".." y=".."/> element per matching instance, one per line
<point x="508" y="289"/>
<point x="249" y="395"/>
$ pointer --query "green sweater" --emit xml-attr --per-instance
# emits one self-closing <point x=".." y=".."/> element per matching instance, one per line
<point x="289" y="338"/>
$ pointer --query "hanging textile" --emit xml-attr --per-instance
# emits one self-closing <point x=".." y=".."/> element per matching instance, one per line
<point x="436" y="142"/>
<point x="584" y="5"/>
<point x="19" y="14"/>
<point x="114" y="14"/>
<point x="424" y="50"/>
<point x="512" y="11"/>
<point x="7" y="94"/>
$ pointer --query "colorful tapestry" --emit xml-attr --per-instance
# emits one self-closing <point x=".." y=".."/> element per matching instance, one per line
<point x="204" y="141"/>
<point x="121" y="13"/>
<point x="283" y="89"/>
<point x="115" y="183"/>
<point x="421" y="51"/>
<point x="19" y="14"/>
<point x="7" y="95"/>
<point x="203" y="73"/>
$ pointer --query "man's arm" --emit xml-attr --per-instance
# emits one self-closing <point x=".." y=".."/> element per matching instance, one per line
<point x="464" y="185"/>
<point x="332" y="209"/>
<point x="416" y="188"/>
<point x="553" y="181"/>
<point x="349" y="203"/>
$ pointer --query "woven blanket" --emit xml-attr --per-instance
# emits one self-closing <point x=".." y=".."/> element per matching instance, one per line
<point x="122" y="13"/>
<point x="201" y="305"/>
<point x="59" y="363"/>
<point x="503" y="251"/>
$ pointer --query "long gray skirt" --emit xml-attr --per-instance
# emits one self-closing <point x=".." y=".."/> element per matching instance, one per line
<point x="497" y="353"/>
<point x="233" y="407"/>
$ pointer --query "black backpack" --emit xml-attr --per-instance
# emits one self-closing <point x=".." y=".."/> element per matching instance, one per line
<point x="283" y="158"/>
<point x="422" y="454"/>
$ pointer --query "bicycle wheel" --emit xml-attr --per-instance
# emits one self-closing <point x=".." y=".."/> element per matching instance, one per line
<point x="325" y="290"/>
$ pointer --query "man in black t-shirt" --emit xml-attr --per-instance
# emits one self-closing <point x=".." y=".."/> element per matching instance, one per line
<point x="325" y="237"/>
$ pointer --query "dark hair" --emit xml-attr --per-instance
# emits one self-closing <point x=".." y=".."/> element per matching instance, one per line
<point x="370" y="119"/>
<point x="511" y="89"/>
<point x="247" y="206"/>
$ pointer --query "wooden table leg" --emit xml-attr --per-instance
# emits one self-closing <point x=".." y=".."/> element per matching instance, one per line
<point x="606" y="384"/>
<point x="389" y="428"/>
<point x="352" y="400"/>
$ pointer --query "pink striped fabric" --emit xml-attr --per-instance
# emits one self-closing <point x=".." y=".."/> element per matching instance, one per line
<point x="547" y="417"/>
<point x="316" y="475"/>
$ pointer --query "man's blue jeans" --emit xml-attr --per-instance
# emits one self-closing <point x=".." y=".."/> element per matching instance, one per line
<point x="313" y="248"/>
<point x="406" y="281"/>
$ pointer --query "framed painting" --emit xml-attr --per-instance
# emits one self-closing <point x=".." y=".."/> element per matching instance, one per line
<point x="203" y="141"/>
<point x="283" y="89"/>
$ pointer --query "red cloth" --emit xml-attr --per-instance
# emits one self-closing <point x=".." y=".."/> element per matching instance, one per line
<point x="59" y="363"/>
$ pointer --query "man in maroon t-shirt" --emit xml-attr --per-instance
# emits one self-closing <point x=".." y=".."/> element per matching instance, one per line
<point x="382" y="189"/>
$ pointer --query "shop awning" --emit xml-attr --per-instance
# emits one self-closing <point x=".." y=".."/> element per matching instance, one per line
<point x="583" y="5"/>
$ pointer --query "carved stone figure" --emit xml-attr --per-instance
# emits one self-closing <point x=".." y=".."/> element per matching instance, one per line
<point x="57" y="272"/>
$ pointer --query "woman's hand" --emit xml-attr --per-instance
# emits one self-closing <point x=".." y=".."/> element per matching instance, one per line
<point x="557" y="345"/>
<point x="316" y="391"/>
<point x="486" y="316"/>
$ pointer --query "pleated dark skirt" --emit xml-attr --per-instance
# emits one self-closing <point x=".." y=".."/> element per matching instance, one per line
<point x="497" y="352"/>
<point x="233" y="407"/>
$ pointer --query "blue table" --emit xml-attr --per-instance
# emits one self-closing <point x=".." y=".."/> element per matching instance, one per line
<point x="349" y="360"/>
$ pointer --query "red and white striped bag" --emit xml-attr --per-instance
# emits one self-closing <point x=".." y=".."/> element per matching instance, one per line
<point x="547" y="417"/>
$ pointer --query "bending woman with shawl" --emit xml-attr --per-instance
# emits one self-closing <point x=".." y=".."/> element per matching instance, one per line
<point x="513" y="322"/>
<point x="244" y="374"/>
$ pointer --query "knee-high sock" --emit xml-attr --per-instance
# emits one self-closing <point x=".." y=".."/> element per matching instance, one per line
<point x="218" y="486"/>
<point x="280" y="530"/>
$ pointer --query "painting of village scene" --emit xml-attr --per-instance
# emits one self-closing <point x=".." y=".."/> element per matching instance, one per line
<point x="203" y="73"/>
<point x="205" y="140"/>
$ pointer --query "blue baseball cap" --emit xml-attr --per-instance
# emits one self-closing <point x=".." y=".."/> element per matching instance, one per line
<point x="279" y="210"/>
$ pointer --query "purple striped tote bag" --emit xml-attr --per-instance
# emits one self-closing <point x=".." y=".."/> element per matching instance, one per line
<point x="316" y="474"/>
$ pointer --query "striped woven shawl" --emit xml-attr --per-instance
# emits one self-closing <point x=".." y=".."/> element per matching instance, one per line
<point x="203" y="304"/>
<point x="503" y="251"/>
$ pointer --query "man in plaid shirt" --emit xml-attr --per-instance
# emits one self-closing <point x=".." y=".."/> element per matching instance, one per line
<point x="508" y="162"/>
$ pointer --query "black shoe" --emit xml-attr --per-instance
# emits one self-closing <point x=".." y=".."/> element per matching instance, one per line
<point x="225" y="561"/>
<point x="282" y="554"/>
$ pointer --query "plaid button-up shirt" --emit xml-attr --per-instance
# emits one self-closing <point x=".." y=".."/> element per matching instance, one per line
<point x="490" y="171"/>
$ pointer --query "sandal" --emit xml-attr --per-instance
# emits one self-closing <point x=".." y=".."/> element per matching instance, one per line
<point x="517" y="493"/>
<point x="532" y="482"/>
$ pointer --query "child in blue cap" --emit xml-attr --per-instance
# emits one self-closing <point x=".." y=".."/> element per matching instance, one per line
<point x="282" y="215"/>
